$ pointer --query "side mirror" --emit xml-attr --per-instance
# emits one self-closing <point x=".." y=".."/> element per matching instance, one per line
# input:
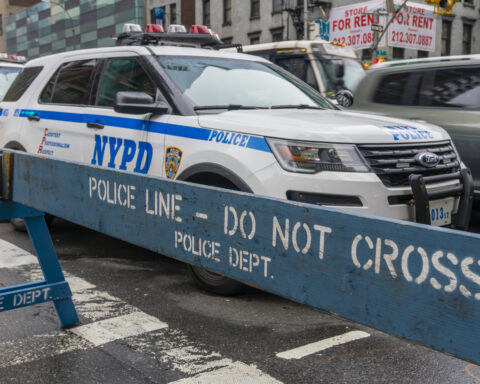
<point x="339" y="69"/>
<point x="344" y="98"/>
<point x="138" y="103"/>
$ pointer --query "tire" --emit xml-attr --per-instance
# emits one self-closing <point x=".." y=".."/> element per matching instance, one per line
<point x="211" y="281"/>
<point x="19" y="224"/>
<point x="215" y="283"/>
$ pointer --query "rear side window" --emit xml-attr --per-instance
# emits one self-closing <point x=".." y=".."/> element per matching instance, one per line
<point x="392" y="88"/>
<point x="451" y="88"/>
<point x="123" y="74"/>
<point x="21" y="83"/>
<point x="71" y="84"/>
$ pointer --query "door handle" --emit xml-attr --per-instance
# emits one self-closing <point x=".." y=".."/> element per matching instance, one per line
<point x="93" y="125"/>
<point x="33" y="118"/>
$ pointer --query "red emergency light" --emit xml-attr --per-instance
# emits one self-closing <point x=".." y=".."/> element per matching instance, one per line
<point x="199" y="29"/>
<point x="154" y="28"/>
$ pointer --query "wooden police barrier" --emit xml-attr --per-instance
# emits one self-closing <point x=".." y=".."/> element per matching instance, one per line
<point x="415" y="281"/>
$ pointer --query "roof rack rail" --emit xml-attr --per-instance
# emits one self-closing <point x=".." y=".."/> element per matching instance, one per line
<point x="161" y="38"/>
<point x="435" y="59"/>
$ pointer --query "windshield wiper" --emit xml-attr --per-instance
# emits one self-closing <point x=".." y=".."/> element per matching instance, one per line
<point x="296" y="106"/>
<point x="230" y="107"/>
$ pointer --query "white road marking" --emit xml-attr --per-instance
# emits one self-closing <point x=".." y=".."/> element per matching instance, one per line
<point x="12" y="256"/>
<point x="121" y="327"/>
<point x="201" y="215"/>
<point x="238" y="373"/>
<point x="309" y="349"/>
<point x="113" y="319"/>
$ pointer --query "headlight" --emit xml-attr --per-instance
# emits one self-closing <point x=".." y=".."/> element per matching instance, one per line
<point x="306" y="157"/>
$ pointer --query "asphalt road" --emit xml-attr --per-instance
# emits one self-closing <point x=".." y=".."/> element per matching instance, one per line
<point x="143" y="320"/>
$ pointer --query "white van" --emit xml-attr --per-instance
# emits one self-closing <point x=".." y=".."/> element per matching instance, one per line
<point x="327" y="67"/>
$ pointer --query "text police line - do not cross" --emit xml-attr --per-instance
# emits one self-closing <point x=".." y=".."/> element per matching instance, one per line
<point x="411" y="280"/>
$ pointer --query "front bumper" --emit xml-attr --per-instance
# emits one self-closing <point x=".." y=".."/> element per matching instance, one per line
<point x="422" y="196"/>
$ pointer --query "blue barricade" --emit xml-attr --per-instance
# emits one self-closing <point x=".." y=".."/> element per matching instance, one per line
<point x="407" y="279"/>
<point x="54" y="287"/>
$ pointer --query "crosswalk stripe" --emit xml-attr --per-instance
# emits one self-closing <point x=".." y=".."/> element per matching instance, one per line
<point x="309" y="349"/>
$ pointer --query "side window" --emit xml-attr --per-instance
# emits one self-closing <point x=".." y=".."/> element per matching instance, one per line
<point x="451" y="88"/>
<point x="71" y="84"/>
<point x="391" y="89"/>
<point x="295" y="65"/>
<point x="21" y="83"/>
<point x="123" y="74"/>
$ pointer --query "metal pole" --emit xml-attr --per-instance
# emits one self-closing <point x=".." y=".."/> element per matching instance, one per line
<point x="305" y="19"/>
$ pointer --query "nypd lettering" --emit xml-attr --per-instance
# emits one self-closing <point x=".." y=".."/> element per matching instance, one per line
<point x="122" y="152"/>
<point x="408" y="132"/>
<point x="227" y="137"/>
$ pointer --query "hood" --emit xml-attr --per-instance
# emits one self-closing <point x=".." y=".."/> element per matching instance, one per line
<point x="324" y="125"/>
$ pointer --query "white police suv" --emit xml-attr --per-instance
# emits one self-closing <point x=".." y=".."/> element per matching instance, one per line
<point x="234" y="121"/>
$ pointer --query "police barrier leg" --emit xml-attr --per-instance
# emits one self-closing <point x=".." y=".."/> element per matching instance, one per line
<point x="47" y="258"/>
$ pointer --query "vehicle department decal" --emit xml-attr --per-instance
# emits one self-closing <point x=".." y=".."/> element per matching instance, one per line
<point x="50" y="139"/>
<point x="257" y="143"/>
<point x="408" y="132"/>
<point x="173" y="157"/>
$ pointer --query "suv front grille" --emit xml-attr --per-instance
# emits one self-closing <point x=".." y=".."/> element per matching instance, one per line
<point x="395" y="163"/>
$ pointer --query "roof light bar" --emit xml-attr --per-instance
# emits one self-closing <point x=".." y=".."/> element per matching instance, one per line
<point x="177" y="35"/>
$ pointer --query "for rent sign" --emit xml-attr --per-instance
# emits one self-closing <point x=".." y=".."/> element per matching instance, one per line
<point x="414" y="28"/>
<point x="352" y="24"/>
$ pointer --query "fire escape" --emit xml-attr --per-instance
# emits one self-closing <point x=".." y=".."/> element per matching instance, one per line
<point x="294" y="8"/>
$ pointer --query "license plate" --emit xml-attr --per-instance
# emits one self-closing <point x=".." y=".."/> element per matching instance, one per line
<point x="441" y="211"/>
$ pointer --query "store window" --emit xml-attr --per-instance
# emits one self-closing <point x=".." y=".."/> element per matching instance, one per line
<point x="467" y="38"/>
<point x="173" y="13"/>
<point x="277" y="34"/>
<point x="446" y="37"/>
<point x="206" y="12"/>
<point x="254" y="38"/>
<point x="277" y="6"/>
<point x="227" y="12"/>
<point x="254" y="9"/>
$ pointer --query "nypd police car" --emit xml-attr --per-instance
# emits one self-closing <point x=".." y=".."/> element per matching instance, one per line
<point x="234" y="121"/>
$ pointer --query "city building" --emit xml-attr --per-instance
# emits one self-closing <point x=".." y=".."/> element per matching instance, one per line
<point x="7" y="8"/>
<point x="56" y="25"/>
<point x="263" y="21"/>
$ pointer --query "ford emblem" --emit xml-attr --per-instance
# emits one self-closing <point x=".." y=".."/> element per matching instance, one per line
<point x="428" y="159"/>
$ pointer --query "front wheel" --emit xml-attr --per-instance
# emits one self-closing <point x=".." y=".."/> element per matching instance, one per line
<point x="215" y="283"/>
<point x="208" y="280"/>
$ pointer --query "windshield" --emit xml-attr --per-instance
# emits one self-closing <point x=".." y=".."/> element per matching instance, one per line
<point x="7" y="75"/>
<point x="353" y="72"/>
<point x="208" y="81"/>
